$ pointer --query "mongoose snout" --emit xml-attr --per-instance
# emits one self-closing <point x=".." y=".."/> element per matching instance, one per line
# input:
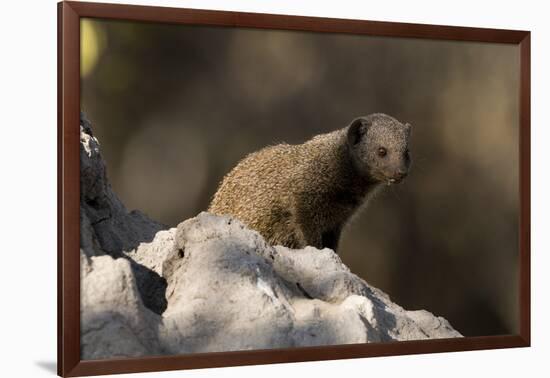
<point x="398" y="176"/>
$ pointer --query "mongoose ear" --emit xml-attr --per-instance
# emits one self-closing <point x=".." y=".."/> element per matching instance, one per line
<point x="408" y="127"/>
<point x="356" y="130"/>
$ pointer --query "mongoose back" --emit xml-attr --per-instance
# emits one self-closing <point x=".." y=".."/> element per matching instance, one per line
<point x="300" y="195"/>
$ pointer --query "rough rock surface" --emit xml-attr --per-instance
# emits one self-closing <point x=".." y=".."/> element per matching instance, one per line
<point x="211" y="284"/>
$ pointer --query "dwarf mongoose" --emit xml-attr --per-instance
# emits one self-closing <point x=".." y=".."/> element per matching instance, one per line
<point x="299" y="195"/>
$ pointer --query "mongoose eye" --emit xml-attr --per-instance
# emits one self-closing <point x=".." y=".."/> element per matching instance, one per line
<point x="382" y="152"/>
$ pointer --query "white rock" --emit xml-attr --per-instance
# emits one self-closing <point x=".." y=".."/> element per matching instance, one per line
<point x="228" y="290"/>
<point x="114" y="321"/>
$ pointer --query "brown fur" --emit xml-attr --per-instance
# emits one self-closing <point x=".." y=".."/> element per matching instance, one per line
<point x="298" y="195"/>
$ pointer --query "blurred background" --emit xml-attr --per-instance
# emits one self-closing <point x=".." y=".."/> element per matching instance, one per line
<point x="176" y="107"/>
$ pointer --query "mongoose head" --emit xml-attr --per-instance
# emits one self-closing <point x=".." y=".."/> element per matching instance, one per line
<point x="379" y="148"/>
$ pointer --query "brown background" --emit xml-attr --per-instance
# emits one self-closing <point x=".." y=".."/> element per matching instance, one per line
<point x="175" y="107"/>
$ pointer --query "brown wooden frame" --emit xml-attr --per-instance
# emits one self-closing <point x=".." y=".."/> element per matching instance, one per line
<point x="69" y="14"/>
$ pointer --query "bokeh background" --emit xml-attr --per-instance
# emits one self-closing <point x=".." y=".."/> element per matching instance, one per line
<point x="176" y="107"/>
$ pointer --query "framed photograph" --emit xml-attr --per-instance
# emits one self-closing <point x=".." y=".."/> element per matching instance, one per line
<point x="239" y="188"/>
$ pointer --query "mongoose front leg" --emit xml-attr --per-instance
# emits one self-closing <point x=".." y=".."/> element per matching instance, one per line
<point x="310" y="236"/>
<point x="331" y="238"/>
<point x="313" y="239"/>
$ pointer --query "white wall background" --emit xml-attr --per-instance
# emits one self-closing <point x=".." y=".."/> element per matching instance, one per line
<point x="28" y="190"/>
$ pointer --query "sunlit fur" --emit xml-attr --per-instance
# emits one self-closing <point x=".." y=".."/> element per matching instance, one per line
<point x="299" y="195"/>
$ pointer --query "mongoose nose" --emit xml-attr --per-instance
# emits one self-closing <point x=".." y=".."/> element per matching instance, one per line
<point x="400" y="174"/>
